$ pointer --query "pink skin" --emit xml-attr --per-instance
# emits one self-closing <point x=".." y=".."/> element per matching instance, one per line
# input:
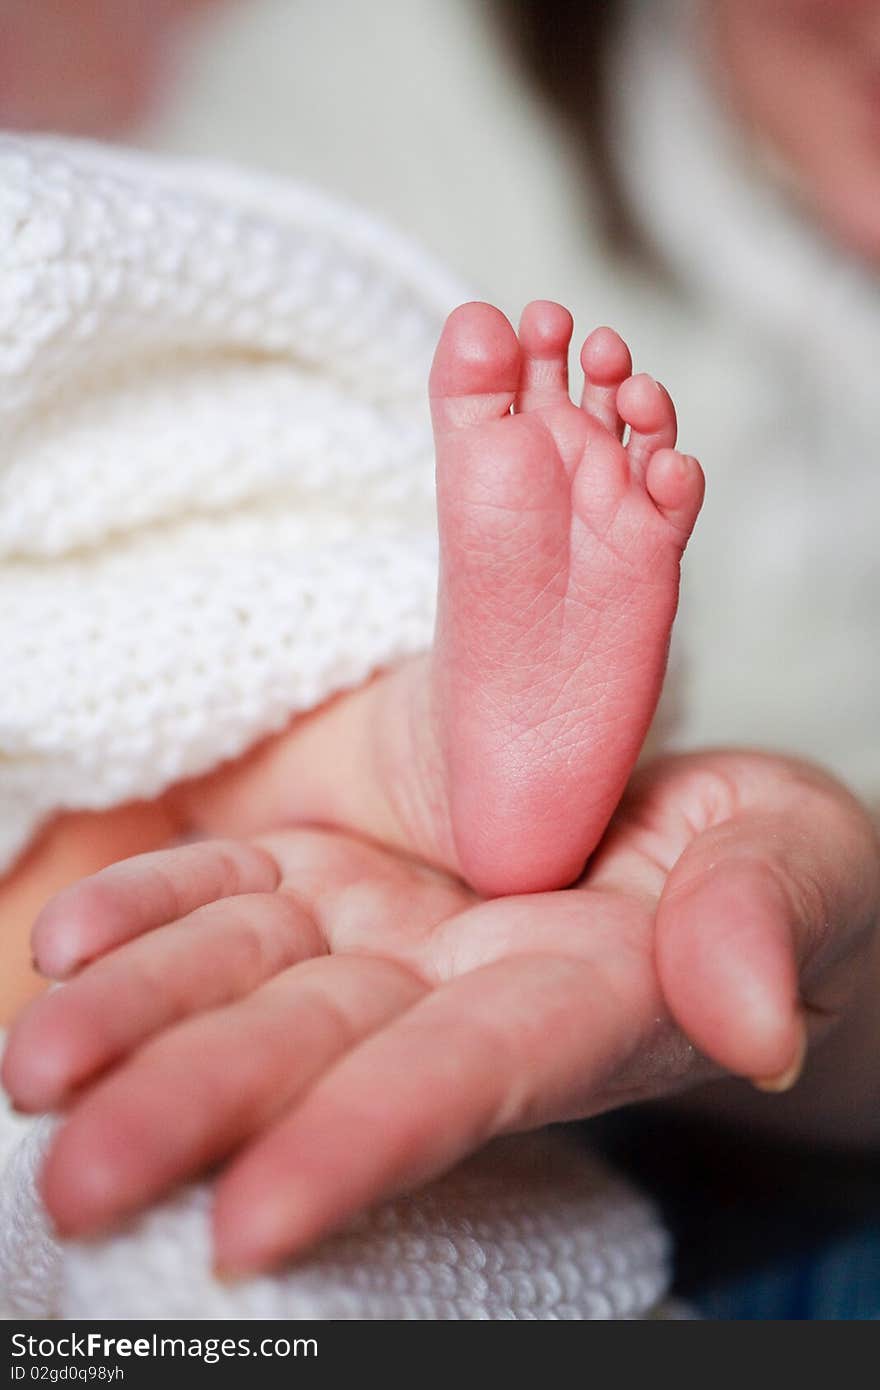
<point x="560" y="553"/>
<point x="367" y="1021"/>
<point x="732" y="897"/>
<point x="804" y="75"/>
<point x="85" y="67"/>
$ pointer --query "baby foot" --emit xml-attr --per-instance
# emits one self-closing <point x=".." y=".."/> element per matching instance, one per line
<point x="559" y="572"/>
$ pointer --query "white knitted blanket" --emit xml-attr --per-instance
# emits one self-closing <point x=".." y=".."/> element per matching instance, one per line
<point x="215" y="467"/>
<point x="529" y="1229"/>
<point x="216" y="508"/>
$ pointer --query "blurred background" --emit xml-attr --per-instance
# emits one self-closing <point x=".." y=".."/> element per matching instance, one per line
<point x="415" y="109"/>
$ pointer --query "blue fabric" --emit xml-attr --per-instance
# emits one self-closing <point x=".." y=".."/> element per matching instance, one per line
<point x="838" y="1282"/>
<point x="761" y="1232"/>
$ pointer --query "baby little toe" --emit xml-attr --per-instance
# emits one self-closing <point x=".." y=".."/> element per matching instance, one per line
<point x="675" y="483"/>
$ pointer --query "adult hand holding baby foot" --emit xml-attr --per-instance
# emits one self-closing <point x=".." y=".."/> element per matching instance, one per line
<point x="367" y="1021"/>
<point x="367" y="994"/>
<point x="559" y="570"/>
<point x="501" y="754"/>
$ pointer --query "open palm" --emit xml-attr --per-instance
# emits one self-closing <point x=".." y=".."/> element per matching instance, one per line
<point x="338" y="1022"/>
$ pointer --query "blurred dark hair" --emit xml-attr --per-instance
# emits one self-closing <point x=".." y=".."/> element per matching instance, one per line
<point x="563" y="46"/>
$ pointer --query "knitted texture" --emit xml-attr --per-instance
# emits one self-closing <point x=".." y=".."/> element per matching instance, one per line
<point x="216" y="508"/>
<point x="530" y="1228"/>
<point x="216" y="495"/>
<point x="30" y="1259"/>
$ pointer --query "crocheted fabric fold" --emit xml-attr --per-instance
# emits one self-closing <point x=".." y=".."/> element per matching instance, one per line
<point x="216" y="493"/>
<point x="531" y="1228"/>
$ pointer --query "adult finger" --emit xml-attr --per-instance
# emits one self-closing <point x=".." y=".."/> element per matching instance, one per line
<point x="506" y="1047"/>
<point x="197" y="1091"/>
<point x="216" y="954"/>
<point x="150" y="890"/>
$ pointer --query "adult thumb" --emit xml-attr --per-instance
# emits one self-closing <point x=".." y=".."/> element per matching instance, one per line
<point x="761" y="927"/>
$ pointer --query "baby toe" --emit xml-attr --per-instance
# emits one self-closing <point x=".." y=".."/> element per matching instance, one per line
<point x="647" y="408"/>
<point x="476" y="368"/>
<point x="676" y="485"/>
<point x="544" y="334"/>
<point x="606" y="363"/>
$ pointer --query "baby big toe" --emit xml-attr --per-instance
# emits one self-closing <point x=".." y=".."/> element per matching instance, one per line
<point x="476" y="368"/>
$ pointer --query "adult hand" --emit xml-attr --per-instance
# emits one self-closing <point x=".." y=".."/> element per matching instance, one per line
<point x="338" y="1022"/>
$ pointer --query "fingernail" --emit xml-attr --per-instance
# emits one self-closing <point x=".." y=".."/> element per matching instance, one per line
<point x="41" y="970"/>
<point x="61" y="968"/>
<point x="786" y="1079"/>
